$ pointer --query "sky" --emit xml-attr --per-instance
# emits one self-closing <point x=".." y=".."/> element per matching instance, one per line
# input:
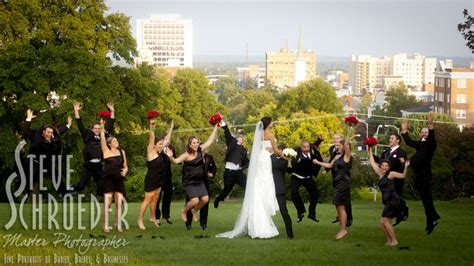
<point x="331" y="28"/>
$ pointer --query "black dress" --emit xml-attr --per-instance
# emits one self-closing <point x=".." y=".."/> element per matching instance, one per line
<point x="341" y="182"/>
<point x="193" y="175"/>
<point x="390" y="198"/>
<point x="112" y="180"/>
<point x="155" y="177"/>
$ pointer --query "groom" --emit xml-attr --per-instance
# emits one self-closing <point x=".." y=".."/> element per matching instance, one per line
<point x="279" y="169"/>
<point x="236" y="161"/>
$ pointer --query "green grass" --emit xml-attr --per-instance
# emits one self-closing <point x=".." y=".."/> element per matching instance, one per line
<point x="452" y="243"/>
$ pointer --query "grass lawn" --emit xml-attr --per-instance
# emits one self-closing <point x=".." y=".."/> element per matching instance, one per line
<point x="452" y="242"/>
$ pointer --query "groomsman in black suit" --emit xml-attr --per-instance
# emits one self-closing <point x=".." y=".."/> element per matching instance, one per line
<point x="92" y="153"/>
<point x="421" y="164"/>
<point x="332" y="153"/>
<point x="279" y="169"/>
<point x="397" y="157"/>
<point x="44" y="149"/>
<point x="236" y="161"/>
<point x="303" y="169"/>
<point x="210" y="170"/>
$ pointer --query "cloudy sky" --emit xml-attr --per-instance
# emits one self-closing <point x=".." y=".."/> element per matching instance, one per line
<point x="331" y="28"/>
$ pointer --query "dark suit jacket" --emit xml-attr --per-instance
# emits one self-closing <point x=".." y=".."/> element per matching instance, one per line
<point x="421" y="160"/>
<point x="92" y="148"/>
<point x="279" y="168"/>
<point x="231" y="143"/>
<point x="314" y="154"/>
<point x="39" y="146"/>
<point x="394" y="158"/>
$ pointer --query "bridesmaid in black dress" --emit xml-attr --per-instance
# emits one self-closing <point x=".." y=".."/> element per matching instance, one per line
<point x="193" y="171"/>
<point x="113" y="176"/>
<point x="390" y="198"/>
<point x="342" y="164"/>
<point x="155" y="177"/>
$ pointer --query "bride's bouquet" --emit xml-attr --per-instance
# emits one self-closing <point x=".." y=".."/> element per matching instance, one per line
<point x="289" y="153"/>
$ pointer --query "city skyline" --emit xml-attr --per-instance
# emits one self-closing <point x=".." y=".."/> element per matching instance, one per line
<point x="340" y="29"/>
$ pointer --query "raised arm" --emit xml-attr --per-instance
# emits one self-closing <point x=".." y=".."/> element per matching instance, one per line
<point x="228" y="136"/>
<point x="347" y="146"/>
<point x="394" y="174"/>
<point x="210" y="140"/>
<point x="167" y="138"/>
<point x="406" y="136"/>
<point x="103" y="142"/>
<point x="151" y="137"/>
<point x="109" y="124"/>
<point x="63" y="129"/>
<point x="80" y="125"/>
<point x="27" y="131"/>
<point x="373" y="163"/>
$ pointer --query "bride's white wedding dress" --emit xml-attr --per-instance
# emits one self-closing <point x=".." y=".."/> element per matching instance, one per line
<point x="260" y="203"/>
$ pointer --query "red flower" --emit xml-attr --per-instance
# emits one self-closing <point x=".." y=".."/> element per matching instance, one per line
<point x="103" y="114"/>
<point x="152" y="114"/>
<point x="370" y="141"/>
<point x="215" y="119"/>
<point x="351" y="121"/>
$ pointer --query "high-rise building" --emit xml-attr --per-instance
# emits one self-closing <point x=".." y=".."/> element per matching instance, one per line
<point x="454" y="93"/>
<point x="289" y="68"/>
<point x="165" y="40"/>
<point x="367" y="73"/>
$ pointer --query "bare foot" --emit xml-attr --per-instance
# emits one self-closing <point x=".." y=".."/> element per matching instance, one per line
<point x="141" y="225"/>
<point x="195" y="217"/>
<point x="341" y="234"/>
<point x="394" y="243"/>
<point x="184" y="216"/>
<point x="106" y="229"/>
<point x="120" y="229"/>
<point x="157" y="223"/>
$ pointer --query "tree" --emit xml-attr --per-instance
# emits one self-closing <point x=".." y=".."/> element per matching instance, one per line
<point x="226" y="89"/>
<point x="197" y="104"/>
<point x="365" y="102"/>
<point x="57" y="48"/>
<point x="397" y="99"/>
<point x="466" y="31"/>
<point x="309" y="96"/>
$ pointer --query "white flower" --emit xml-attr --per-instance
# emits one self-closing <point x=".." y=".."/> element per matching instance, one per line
<point x="289" y="152"/>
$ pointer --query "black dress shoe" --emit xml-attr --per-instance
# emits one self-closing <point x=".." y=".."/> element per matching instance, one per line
<point x="188" y="226"/>
<point x="216" y="203"/>
<point x="313" y="218"/>
<point x="431" y="227"/>
<point x="405" y="214"/>
<point x="204" y="226"/>
<point x="300" y="218"/>
<point x="168" y="220"/>
<point x="290" y="237"/>
<point x="336" y="220"/>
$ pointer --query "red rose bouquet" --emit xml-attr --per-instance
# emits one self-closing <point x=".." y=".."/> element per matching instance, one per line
<point x="351" y="121"/>
<point x="215" y="119"/>
<point x="370" y="141"/>
<point x="103" y="114"/>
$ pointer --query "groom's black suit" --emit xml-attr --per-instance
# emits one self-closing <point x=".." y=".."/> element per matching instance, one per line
<point x="279" y="168"/>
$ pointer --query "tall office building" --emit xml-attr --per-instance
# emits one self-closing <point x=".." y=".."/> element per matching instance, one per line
<point x="165" y="40"/>
<point x="289" y="68"/>
<point x="367" y="73"/>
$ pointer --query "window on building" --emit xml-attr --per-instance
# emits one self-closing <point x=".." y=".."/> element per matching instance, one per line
<point x="462" y="83"/>
<point x="461" y="98"/>
<point x="461" y="113"/>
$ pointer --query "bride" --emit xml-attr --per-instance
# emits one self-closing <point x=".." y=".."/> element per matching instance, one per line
<point x="260" y="204"/>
